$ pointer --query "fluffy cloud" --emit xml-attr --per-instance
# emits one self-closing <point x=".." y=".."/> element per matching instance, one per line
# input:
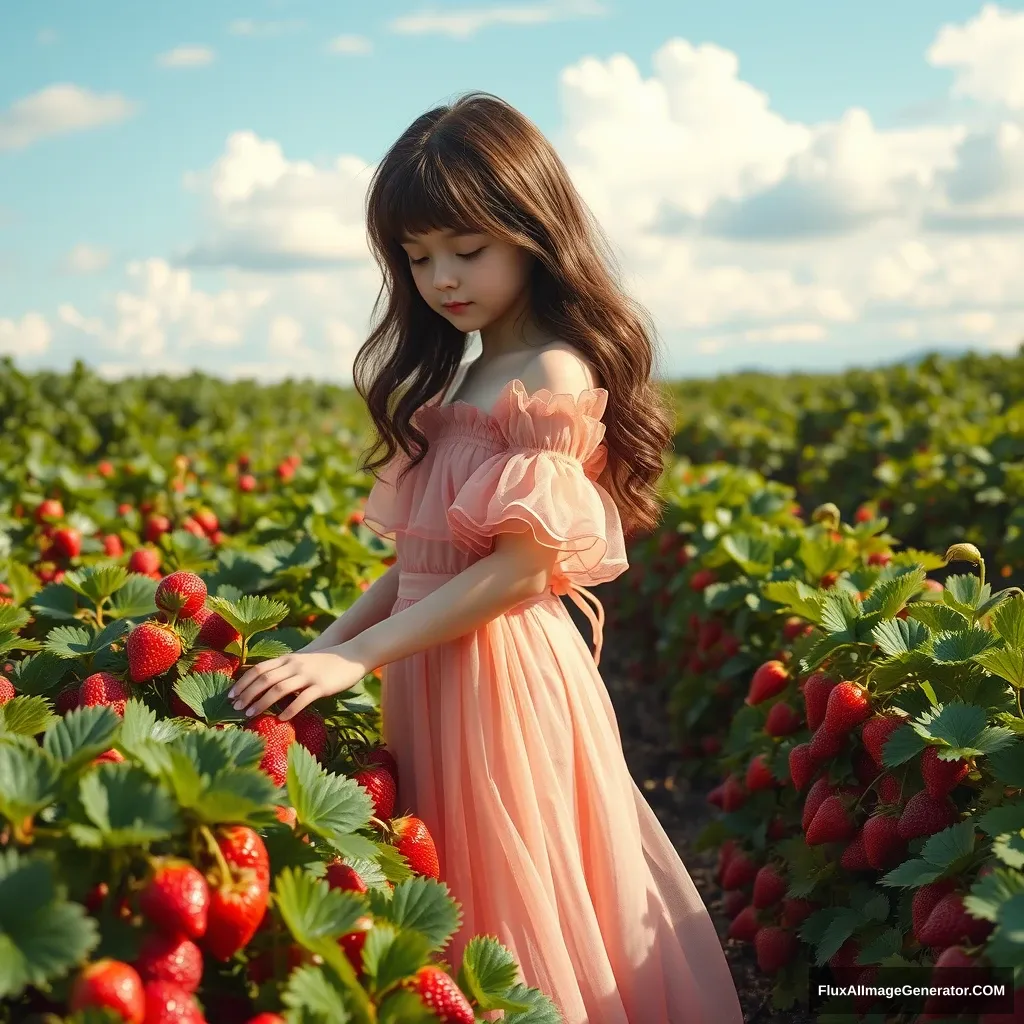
<point x="350" y="45"/>
<point x="250" y="27"/>
<point x="186" y="57"/>
<point x="58" y="110"/>
<point x="85" y="259"/>
<point x="465" y="22"/>
<point x="29" y="336"/>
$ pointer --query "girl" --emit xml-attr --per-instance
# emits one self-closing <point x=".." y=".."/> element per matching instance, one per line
<point x="522" y="485"/>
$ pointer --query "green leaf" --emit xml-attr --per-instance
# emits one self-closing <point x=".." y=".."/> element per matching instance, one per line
<point x="1010" y="850"/>
<point x="244" y="748"/>
<point x="332" y="806"/>
<point x="126" y="807"/>
<point x="488" y="971"/>
<point x="1008" y="620"/>
<point x="938" y="616"/>
<point x="1008" y="817"/>
<point x="42" y="936"/>
<point x="754" y="555"/>
<point x="541" y="1009"/>
<point x="206" y="693"/>
<point x="250" y="613"/>
<point x="904" y="744"/>
<point x="26" y="716"/>
<point x="900" y="636"/>
<point x="69" y="641"/>
<point x="135" y="600"/>
<point x="40" y="673"/>
<point x="1005" y="662"/>
<point x="400" y="1006"/>
<point x="951" y="844"/>
<point x="268" y="648"/>
<point x="888" y="596"/>
<point x="391" y="955"/>
<point x="842" y="922"/>
<point x="956" y="648"/>
<point x="965" y="593"/>
<point x="1008" y="766"/>
<point x="796" y="597"/>
<point x="423" y="905"/>
<point x="318" y="992"/>
<point x="31" y="780"/>
<point x="840" y="611"/>
<point x="884" y="945"/>
<point x="81" y="735"/>
<point x="991" y="891"/>
<point x="956" y="723"/>
<point x="97" y="582"/>
<point x="242" y="795"/>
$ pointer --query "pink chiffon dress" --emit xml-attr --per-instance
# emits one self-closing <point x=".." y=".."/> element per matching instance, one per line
<point x="507" y="744"/>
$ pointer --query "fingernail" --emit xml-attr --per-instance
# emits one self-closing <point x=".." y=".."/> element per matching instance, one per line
<point x="231" y="692"/>
<point x="250" y="712"/>
<point x="238" y="705"/>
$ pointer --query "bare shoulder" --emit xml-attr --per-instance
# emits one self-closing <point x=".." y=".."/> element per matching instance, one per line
<point x="560" y="368"/>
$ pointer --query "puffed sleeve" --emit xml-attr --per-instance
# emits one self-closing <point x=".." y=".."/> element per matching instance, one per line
<point x="546" y="481"/>
<point x="382" y="512"/>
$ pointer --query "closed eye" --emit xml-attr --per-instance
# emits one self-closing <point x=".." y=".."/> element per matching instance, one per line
<point x="463" y="255"/>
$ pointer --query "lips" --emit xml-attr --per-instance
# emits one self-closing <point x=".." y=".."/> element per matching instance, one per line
<point x="456" y="307"/>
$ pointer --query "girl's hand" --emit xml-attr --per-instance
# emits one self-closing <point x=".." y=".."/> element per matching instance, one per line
<point x="305" y="676"/>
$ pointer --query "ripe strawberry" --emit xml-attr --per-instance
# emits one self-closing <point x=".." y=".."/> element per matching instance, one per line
<point x="176" y="898"/>
<point x="340" y="875"/>
<point x="733" y="902"/>
<point x="848" y="706"/>
<point x="438" y="991"/>
<point x="238" y="903"/>
<point x="949" y="923"/>
<point x="716" y="796"/>
<point x="734" y="796"/>
<point x="815" y="798"/>
<point x="152" y="649"/>
<point x="7" y="691"/>
<point x="924" y="816"/>
<point x="817" y="687"/>
<point x="744" y="925"/>
<point x="740" y="872"/>
<point x="882" y="844"/>
<point x="167" y="1003"/>
<point x="801" y="767"/>
<point x="769" y="887"/>
<point x="111" y="984"/>
<point x="795" y="627"/>
<point x="67" y="700"/>
<point x="181" y="592"/>
<point x="352" y="942"/>
<point x="941" y="776"/>
<point x="783" y="720"/>
<point x="777" y="829"/>
<point x="381" y="755"/>
<point x="826" y="744"/>
<point x="795" y="912"/>
<point x="48" y="509"/>
<point x="925" y="900"/>
<point x="415" y="842"/>
<point x="111" y="756"/>
<point x="311" y="732"/>
<point x="775" y="948"/>
<point x="725" y="854"/>
<point x="831" y="823"/>
<point x="877" y="730"/>
<point x="104" y="688"/>
<point x="270" y="962"/>
<point x="702" y="579"/>
<point x="759" y="775"/>
<point x="770" y="679"/>
<point x="286" y="815"/>
<point x="145" y="561"/>
<point x="216" y="661"/>
<point x="855" y="857"/>
<point x="216" y="632"/>
<point x="844" y="962"/>
<point x="171" y="958"/>
<point x="277" y="736"/>
<point x="266" y="1018"/>
<point x="890" y="790"/>
<point x="67" y="542"/>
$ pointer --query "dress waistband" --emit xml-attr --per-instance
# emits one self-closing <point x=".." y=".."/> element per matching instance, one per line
<point x="414" y="585"/>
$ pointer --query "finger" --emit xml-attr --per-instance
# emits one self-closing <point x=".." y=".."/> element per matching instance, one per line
<point x="275" y="693"/>
<point x="301" y="700"/>
<point x="259" y="685"/>
<point x="251" y="674"/>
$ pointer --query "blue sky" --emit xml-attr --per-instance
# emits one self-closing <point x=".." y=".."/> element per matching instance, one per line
<point x="816" y="231"/>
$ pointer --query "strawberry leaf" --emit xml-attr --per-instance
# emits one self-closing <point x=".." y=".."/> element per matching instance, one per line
<point x="966" y="594"/>
<point x="1005" y="662"/>
<point x="900" y="636"/>
<point x="888" y="596"/>
<point x="1008" y="620"/>
<point x="250" y="613"/>
<point x="1008" y="817"/>
<point x="883" y="946"/>
<point x="754" y="555"/>
<point x="488" y="972"/>
<point x="911" y="874"/>
<point x="31" y="780"/>
<point x="135" y="600"/>
<point x="126" y="807"/>
<point x="796" y="597"/>
<point x="955" y="648"/>
<point x="81" y="735"/>
<point x="1008" y="765"/>
<point x="906" y="742"/>
<point x="423" y="905"/>
<point x="955" y="843"/>
<point x="97" y="582"/>
<point x="391" y="954"/>
<point x="1010" y="850"/>
<point x="332" y="806"/>
<point x="937" y="616"/>
<point x="206" y="693"/>
<point x="26" y="716"/>
<point x="991" y="891"/>
<point x="315" y="994"/>
<point x="42" y="935"/>
<point x="403" y="1007"/>
<point x="393" y="863"/>
<point x="541" y="1009"/>
<point x="268" y="648"/>
<point x="238" y="795"/>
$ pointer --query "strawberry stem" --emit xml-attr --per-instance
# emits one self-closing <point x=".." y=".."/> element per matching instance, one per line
<point x="214" y="847"/>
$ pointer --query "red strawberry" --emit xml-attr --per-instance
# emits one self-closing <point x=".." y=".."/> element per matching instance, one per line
<point x="277" y="736"/>
<point x="216" y="661"/>
<point x="770" y="679"/>
<point x="949" y="923"/>
<point x="759" y="775"/>
<point x="167" y="1003"/>
<point x="740" y="871"/>
<point x="266" y="1018"/>
<point x="353" y="942"/>
<point x="145" y="561"/>
<point x="716" y="796"/>
<point x="817" y="687"/>
<point x="924" y="816"/>
<point x="783" y="720"/>
<point x="725" y="854"/>
<point x="777" y="829"/>
<point x="381" y="755"/>
<point x="734" y="796"/>
<point x="941" y="776"/>
<point x="744" y="925"/>
<point x="415" y="842"/>
<point x="237" y="903"/>
<point x="775" y="948"/>
<point x="270" y="962"/>
<point x="49" y="508"/>
<point x="111" y="984"/>
<point x="825" y="743"/>
<point x="733" y="902"/>
<point x="925" y="900"/>
<point x="814" y="799"/>
<point x="882" y="844"/>
<point x="831" y="823"/>
<point x="67" y="700"/>
<point x="179" y="709"/>
<point x="7" y="691"/>
<point x="340" y="875"/>
<point x="876" y="731"/>
<point x="104" y="688"/>
<point x="855" y="857"/>
<point x="67" y="542"/>
<point x="216" y="632"/>
<point x="311" y="732"/>
<point x="801" y="767"/>
<point x="795" y="627"/>
<point x="181" y="592"/>
<point x="440" y="993"/>
<point x="176" y="898"/>
<point x="844" y="962"/>
<point x="890" y="790"/>
<point x="152" y="649"/>
<point x="769" y="887"/>
<point x="702" y="579"/>
<point x="111" y="756"/>
<point x="848" y="706"/>
<point x="171" y="958"/>
<point x="795" y="912"/>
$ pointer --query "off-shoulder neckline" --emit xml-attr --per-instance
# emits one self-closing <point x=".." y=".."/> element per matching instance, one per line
<point x="491" y="413"/>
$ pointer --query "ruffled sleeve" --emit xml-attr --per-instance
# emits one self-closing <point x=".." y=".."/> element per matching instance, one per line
<point x="546" y="481"/>
<point x="381" y="512"/>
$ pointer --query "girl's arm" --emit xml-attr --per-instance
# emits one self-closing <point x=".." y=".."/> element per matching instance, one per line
<point x="370" y="607"/>
<point x="517" y="569"/>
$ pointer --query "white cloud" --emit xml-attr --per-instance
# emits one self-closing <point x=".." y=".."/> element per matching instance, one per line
<point x="186" y="57"/>
<point x="987" y="54"/>
<point x="29" y="336"/>
<point x="250" y="27"/>
<point x="46" y="37"/>
<point x="58" y="110"/>
<point x="462" y="23"/>
<point x="86" y="259"/>
<point x="350" y="45"/>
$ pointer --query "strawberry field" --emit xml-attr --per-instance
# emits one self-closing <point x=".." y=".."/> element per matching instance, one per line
<point x="828" y="621"/>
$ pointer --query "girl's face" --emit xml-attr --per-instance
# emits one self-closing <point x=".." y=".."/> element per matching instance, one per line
<point x="490" y="276"/>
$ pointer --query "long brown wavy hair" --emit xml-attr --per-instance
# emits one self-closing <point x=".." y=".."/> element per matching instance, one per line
<point x="479" y="165"/>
